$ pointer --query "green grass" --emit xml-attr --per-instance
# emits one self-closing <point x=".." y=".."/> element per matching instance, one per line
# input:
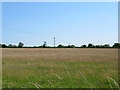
<point x="50" y="69"/>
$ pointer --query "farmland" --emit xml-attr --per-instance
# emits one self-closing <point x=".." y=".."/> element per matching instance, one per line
<point x="60" y="68"/>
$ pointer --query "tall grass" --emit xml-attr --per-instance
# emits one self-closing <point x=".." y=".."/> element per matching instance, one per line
<point x="60" y="68"/>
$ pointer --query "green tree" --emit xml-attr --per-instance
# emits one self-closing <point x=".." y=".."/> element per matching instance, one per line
<point x="98" y="46"/>
<point x="20" y="45"/>
<point x="83" y="46"/>
<point x="90" y="45"/>
<point x="106" y="46"/>
<point x="71" y="46"/>
<point x="4" y="46"/>
<point x="60" y="46"/>
<point x="0" y="45"/>
<point x="45" y="44"/>
<point x="14" y="46"/>
<point x="116" y="45"/>
<point x="10" y="45"/>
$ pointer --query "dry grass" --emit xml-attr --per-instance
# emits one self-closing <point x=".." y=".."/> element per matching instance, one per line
<point x="60" y="67"/>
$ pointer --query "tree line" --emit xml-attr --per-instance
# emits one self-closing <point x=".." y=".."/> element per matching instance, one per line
<point x="90" y="45"/>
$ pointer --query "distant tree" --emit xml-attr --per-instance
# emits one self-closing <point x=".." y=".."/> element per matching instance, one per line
<point x="71" y="46"/>
<point x="3" y="46"/>
<point x="10" y="45"/>
<point x="60" y="46"/>
<point x="45" y="44"/>
<point x="20" y="45"/>
<point x="106" y="46"/>
<point x="116" y="45"/>
<point x="0" y="45"/>
<point x="40" y="46"/>
<point x="83" y="46"/>
<point x="34" y="46"/>
<point x="90" y="45"/>
<point x="14" y="46"/>
<point x="98" y="46"/>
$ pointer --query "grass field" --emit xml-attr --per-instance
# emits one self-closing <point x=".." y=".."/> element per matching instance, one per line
<point x="60" y="68"/>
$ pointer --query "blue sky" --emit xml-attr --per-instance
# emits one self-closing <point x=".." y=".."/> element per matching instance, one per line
<point x="71" y="23"/>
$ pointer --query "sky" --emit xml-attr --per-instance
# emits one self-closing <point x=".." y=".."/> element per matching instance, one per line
<point x="74" y="23"/>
